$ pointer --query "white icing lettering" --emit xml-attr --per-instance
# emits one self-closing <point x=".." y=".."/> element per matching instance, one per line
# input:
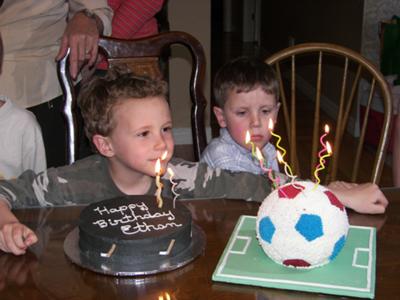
<point x="144" y="227"/>
<point x="132" y="218"/>
<point x="101" y="211"/>
<point x="101" y="223"/>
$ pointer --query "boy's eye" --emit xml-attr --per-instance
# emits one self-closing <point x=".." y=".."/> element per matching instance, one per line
<point x="143" y="133"/>
<point x="166" y="129"/>
<point x="241" y="113"/>
<point x="266" y="111"/>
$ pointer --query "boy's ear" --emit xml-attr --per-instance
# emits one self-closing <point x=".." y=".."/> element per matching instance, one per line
<point x="103" y="145"/>
<point x="219" y="114"/>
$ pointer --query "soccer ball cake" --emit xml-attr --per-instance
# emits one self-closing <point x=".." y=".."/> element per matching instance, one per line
<point x="302" y="225"/>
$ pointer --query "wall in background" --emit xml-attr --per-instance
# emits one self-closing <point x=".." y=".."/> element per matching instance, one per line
<point x="287" y="21"/>
<point x="193" y="17"/>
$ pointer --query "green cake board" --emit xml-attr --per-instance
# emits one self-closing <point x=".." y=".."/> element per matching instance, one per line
<point x="351" y="273"/>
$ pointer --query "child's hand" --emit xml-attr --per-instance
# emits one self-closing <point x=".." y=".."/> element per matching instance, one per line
<point x="16" y="238"/>
<point x="363" y="198"/>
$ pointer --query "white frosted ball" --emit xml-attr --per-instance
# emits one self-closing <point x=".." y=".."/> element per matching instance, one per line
<point x="302" y="225"/>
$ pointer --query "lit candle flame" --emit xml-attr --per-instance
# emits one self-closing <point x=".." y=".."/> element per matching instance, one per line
<point x="167" y="296"/>
<point x="158" y="166"/>
<point x="328" y="148"/>
<point x="259" y="154"/>
<point x="279" y="155"/>
<point x="248" y="139"/>
<point x="326" y="128"/>
<point x="164" y="156"/>
<point x="270" y="125"/>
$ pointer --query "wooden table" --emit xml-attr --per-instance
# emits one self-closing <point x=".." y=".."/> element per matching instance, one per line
<point x="46" y="273"/>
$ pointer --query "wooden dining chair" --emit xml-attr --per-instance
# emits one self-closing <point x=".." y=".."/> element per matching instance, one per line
<point x="321" y="75"/>
<point x="142" y="56"/>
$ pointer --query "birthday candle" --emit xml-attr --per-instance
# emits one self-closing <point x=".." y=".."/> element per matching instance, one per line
<point x="171" y="175"/>
<point x="248" y="140"/>
<point x="278" y="143"/>
<point x="321" y="164"/>
<point x="323" y="150"/>
<point x="260" y="158"/>
<point x="158" y="184"/>
<point x="321" y="140"/>
<point x="288" y="170"/>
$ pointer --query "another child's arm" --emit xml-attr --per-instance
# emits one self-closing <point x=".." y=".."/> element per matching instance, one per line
<point x="199" y="181"/>
<point x="363" y="198"/>
<point x="14" y="236"/>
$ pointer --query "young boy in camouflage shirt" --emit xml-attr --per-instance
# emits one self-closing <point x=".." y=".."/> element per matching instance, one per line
<point x="129" y="122"/>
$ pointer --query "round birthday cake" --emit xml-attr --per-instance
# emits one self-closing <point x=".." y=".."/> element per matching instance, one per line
<point x="302" y="225"/>
<point x="133" y="228"/>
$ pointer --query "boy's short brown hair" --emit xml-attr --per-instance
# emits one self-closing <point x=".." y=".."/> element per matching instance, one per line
<point x="98" y="100"/>
<point x="243" y="75"/>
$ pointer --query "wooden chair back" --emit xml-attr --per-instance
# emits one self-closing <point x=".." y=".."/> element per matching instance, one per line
<point x="142" y="56"/>
<point x="321" y="75"/>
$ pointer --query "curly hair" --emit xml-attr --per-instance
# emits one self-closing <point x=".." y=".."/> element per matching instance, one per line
<point x="242" y="75"/>
<point x="99" y="98"/>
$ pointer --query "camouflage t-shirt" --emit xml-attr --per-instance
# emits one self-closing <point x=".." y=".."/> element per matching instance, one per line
<point x="88" y="180"/>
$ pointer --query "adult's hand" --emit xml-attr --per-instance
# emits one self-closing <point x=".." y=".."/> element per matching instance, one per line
<point x="81" y="36"/>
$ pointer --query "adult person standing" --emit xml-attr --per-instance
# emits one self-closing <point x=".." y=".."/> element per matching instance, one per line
<point x="133" y="19"/>
<point x="35" y="35"/>
<point x="21" y="143"/>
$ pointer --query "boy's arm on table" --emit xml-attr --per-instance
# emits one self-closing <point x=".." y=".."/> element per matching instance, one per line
<point x="199" y="181"/>
<point x="363" y="198"/>
<point x="14" y="236"/>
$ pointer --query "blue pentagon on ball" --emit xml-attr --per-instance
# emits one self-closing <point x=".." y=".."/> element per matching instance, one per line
<point x="338" y="246"/>
<point x="266" y="229"/>
<point x="310" y="226"/>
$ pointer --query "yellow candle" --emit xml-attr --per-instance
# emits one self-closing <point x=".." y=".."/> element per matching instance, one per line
<point x="158" y="184"/>
<point x="278" y="143"/>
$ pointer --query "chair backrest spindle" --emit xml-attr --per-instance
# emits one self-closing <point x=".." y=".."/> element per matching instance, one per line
<point x="355" y="76"/>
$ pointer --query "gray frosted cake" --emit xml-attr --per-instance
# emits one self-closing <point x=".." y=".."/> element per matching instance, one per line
<point x="133" y="228"/>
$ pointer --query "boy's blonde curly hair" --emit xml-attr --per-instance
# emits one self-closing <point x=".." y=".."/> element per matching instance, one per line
<point x="99" y="98"/>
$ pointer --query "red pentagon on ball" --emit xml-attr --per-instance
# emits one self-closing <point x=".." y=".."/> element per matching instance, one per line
<point x="334" y="201"/>
<point x="290" y="191"/>
<point x="297" y="263"/>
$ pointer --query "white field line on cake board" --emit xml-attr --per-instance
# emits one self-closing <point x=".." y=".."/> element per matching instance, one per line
<point x="312" y="284"/>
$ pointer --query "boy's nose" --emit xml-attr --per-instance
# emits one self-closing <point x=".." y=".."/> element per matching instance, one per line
<point x="160" y="143"/>
<point x="255" y="120"/>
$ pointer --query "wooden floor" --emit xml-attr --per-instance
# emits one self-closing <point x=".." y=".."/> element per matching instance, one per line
<point x="226" y="46"/>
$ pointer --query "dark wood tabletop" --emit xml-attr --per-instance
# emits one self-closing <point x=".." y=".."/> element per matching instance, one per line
<point x="46" y="273"/>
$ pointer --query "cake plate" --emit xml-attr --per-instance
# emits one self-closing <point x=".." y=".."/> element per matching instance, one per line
<point x="100" y="265"/>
